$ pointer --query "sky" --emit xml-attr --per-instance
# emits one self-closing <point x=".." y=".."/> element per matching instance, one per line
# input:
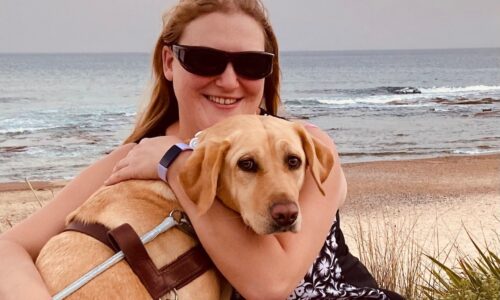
<point x="133" y="25"/>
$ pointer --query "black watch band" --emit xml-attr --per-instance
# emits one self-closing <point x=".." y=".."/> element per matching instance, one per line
<point x="169" y="158"/>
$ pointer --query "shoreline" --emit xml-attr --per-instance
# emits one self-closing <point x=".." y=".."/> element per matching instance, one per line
<point x="348" y="167"/>
<point x="443" y="198"/>
<point x="13" y="186"/>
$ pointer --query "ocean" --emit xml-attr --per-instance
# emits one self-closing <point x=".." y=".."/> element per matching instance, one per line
<point x="61" y="112"/>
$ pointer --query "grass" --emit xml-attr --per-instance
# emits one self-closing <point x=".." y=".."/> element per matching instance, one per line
<point x="33" y="191"/>
<point x="401" y="263"/>
<point x="474" y="278"/>
<point x="39" y="202"/>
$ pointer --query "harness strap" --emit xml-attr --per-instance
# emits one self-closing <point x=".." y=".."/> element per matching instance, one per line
<point x="158" y="282"/>
<point x="95" y="230"/>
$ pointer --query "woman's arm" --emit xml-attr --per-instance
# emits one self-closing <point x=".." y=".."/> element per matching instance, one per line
<point x="270" y="266"/>
<point x="259" y="267"/>
<point x="20" y="245"/>
<point x="19" y="276"/>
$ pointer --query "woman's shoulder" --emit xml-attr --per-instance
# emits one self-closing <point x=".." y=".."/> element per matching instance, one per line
<point x="312" y="129"/>
<point x="318" y="133"/>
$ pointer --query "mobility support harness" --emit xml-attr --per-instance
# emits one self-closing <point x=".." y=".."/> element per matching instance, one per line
<point x="157" y="282"/>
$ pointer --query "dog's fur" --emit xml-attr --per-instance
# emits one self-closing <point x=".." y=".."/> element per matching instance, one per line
<point x="211" y="171"/>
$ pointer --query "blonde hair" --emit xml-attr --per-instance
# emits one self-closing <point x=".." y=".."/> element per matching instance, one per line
<point x="162" y="109"/>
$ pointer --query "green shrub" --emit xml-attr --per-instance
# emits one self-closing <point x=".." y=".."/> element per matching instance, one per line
<point x="398" y="262"/>
<point x="474" y="278"/>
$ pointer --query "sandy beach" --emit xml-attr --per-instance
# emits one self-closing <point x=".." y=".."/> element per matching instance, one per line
<point x="439" y="196"/>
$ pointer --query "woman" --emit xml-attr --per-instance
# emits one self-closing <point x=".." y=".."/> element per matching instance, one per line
<point x="195" y="87"/>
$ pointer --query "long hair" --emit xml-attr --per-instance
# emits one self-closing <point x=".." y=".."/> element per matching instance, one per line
<point x="162" y="109"/>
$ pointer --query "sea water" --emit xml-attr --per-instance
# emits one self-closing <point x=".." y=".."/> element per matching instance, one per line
<point x="61" y="112"/>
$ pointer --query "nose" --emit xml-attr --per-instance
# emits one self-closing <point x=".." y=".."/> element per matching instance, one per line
<point x="228" y="79"/>
<point x="284" y="213"/>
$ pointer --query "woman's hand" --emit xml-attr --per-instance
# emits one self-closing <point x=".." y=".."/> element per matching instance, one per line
<point x="142" y="161"/>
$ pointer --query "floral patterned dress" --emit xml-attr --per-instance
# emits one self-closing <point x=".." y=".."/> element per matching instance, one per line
<point x="326" y="277"/>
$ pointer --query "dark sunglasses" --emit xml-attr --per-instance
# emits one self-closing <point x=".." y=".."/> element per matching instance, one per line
<point x="206" y="61"/>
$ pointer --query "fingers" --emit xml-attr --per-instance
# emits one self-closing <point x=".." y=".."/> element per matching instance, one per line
<point x="142" y="160"/>
<point x="120" y="175"/>
<point x="121" y="164"/>
<point x="120" y="171"/>
<point x="136" y="165"/>
<point x="112" y="179"/>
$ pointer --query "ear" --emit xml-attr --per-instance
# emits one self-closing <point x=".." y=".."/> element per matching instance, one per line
<point x="201" y="172"/>
<point x="168" y="59"/>
<point x="319" y="157"/>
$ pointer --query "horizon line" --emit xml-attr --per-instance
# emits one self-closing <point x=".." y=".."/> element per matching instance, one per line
<point x="282" y="51"/>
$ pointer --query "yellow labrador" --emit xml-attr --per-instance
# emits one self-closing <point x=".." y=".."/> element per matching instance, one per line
<point x="254" y="164"/>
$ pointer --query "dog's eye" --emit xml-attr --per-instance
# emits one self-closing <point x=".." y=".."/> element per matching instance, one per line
<point x="248" y="165"/>
<point x="293" y="162"/>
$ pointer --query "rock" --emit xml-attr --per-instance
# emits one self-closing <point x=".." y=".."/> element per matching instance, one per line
<point x="404" y="90"/>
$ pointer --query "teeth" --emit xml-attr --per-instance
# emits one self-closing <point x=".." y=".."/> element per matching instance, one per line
<point x="223" y="101"/>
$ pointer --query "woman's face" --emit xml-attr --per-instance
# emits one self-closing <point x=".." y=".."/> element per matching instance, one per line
<point x="203" y="101"/>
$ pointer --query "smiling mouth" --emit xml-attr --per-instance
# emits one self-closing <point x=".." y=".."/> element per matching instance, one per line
<point x="223" y="100"/>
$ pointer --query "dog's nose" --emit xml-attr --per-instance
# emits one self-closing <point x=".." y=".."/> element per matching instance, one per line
<point x="284" y="214"/>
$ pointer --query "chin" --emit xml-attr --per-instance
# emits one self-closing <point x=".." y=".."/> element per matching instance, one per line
<point x="222" y="115"/>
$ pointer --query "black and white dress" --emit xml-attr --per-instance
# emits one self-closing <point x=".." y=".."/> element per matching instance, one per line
<point x="337" y="274"/>
<point x="328" y="277"/>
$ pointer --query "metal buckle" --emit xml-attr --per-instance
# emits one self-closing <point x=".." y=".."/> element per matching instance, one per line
<point x="183" y="223"/>
<point x="193" y="143"/>
<point x="164" y="297"/>
<point x="177" y="215"/>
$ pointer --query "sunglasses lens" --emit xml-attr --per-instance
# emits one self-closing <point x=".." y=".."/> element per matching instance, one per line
<point x="210" y="62"/>
<point x="253" y="65"/>
<point x="204" y="62"/>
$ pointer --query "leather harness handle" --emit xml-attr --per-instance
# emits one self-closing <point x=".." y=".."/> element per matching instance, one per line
<point x="157" y="282"/>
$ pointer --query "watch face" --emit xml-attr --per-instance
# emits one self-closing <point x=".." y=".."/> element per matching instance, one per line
<point x="170" y="156"/>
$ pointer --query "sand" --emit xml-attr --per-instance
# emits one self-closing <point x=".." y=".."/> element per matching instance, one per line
<point x="439" y="197"/>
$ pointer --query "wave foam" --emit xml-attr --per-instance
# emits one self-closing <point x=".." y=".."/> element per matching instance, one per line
<point x="473" y="88"/>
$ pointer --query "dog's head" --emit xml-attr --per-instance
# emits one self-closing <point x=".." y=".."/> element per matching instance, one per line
<point x="256" y="166"/>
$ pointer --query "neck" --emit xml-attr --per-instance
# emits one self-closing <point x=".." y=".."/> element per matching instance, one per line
<point x="183" y="132"/>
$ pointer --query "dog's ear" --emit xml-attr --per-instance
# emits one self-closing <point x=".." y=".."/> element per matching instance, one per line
<point x="319" y="157"/>
<point x="201" y="172"/>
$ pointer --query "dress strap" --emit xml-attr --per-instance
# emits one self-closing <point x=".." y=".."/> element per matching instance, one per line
<point x="263" y="112"/>
<point x="339" y="237"/>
